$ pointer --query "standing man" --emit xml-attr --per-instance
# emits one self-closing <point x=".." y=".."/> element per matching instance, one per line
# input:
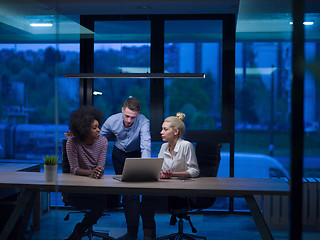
<point x="132" y="140"/>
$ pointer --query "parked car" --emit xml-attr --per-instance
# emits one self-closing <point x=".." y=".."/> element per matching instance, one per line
<point x="251" y="165"/>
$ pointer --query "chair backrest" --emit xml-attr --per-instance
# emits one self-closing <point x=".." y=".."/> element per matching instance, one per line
<point x="65" y="162"/>
<point x="112" y="201"/>
<point x="65" y="169"/>
<point x="208" y="156"/>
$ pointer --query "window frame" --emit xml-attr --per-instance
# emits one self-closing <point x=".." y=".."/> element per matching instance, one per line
<point x="223" y="135"/>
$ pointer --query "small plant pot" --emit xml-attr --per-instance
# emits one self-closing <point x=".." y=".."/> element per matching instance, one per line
<point x="50" y="173"/>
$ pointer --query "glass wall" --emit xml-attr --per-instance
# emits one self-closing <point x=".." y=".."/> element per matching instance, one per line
<point x="194" y="46"/>
<point x="263" y="107"/>
<point x="121" y="46"/>
<point x="29" y="91"/>
<point x="36" y="99"/>
<point x="311" y="160"/>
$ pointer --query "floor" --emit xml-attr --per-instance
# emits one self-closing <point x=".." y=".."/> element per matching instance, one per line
<point x="215" y="226"/>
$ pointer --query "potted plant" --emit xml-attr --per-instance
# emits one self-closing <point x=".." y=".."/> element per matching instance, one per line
<point x="50" y="167"/>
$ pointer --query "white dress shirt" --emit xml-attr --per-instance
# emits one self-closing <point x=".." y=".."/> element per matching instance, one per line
<point x="184" y="158"/>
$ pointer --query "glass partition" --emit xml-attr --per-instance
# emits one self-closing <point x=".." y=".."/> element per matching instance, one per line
<point x="121" y="46"/>
<point x="36" y="99"/>
<point x="194" y="46"/>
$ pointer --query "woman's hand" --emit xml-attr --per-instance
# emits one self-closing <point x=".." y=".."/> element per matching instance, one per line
<point x="97" y="172"/>
<point x="166" y="174"/>
<point x="68" y="134"/>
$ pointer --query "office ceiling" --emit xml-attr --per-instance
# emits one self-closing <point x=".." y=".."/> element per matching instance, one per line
<point x="95" y="7"/>
<point x="256" y="19"/>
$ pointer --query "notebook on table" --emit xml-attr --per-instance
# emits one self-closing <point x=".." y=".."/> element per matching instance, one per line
<point x="141" y="169"/>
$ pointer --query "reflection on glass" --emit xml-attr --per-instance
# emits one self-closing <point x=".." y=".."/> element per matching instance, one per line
<point x="190" y="47"/>
<point x="121" y="46"/>
<point x="36" y="99"/>
<point x="263" y="100"/>
<point x="116" y="91"/>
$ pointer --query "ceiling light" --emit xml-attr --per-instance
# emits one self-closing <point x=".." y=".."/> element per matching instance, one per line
<point x="41" y="24"/>
<point x="305" y="23"/>
<point x="135" y="75"/>
<point x="96" y="93"/>
<point x="308" y="23"/>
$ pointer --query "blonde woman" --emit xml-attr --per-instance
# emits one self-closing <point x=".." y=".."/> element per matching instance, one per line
<point x="179" y="161"/>
<point x="179" y="155"/>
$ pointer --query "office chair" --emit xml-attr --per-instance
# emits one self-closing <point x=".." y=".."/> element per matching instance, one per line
<point x="208" y="156"/>
<point x="67" y="199"/>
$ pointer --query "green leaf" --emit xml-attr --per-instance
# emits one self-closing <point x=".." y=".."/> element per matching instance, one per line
<point x="50" y="160"/>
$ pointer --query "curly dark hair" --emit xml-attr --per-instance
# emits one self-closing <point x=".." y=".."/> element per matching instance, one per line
<point x="81" y="120"/>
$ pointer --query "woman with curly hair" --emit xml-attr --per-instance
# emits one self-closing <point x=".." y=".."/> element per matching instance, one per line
<point x="86" y="151"/>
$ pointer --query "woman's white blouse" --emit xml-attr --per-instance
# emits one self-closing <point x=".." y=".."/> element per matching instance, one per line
<point x="184" y="158"/>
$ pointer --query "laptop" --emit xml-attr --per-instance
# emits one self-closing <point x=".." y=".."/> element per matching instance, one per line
<point x="141" y="169"/>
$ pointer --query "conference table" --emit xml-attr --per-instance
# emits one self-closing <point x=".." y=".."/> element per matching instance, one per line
<point x="246" y="188"/>
<point x="6" y="168"/>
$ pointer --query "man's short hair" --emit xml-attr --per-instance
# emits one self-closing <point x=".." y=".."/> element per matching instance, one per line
<point x="133" y="104"/>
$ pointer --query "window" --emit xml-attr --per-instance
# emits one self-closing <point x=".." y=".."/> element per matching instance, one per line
<point x="121" y="46"/>
<point x="194" y="46"/>
<point x="263" y="98"/>
<point x="36" y="99"/>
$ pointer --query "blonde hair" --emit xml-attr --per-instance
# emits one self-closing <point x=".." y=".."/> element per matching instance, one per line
<point x="176" y="122"/>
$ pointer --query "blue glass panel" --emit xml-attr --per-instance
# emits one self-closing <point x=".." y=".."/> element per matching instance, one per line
<point x="36" y="99"/>
<point x="121" y="46"/>
<point x="194" y="47"/>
